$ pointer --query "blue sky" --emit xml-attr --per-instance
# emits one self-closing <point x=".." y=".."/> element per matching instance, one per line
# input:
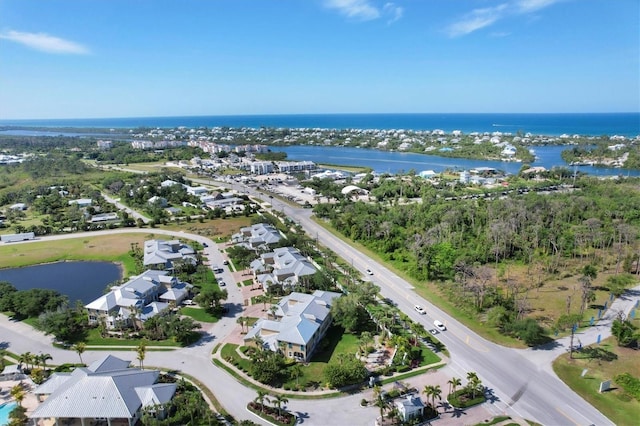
<point x="115" y="58"/>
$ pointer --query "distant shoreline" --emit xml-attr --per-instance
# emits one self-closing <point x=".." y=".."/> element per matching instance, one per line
<point x="545" y="124"/>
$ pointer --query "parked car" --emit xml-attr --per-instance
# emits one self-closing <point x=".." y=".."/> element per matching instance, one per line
<point x="225" y="262"/>
<point x="420" y="310"/>
<point x="440" y="326"/>
<point x="221" y="283"/>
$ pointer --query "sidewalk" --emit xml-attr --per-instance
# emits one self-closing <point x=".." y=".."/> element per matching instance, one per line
<point x="543" y="356"/>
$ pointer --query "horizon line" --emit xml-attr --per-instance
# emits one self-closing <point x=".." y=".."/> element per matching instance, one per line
<point x="311" y="114"/>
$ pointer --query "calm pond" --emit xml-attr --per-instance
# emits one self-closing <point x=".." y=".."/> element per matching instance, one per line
<point x="83" y="281"/>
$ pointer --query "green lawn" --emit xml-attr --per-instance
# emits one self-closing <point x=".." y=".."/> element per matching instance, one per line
<point x="198" y="314"/>
<point x="94" y="339"/>
<point x="615" y="404"/>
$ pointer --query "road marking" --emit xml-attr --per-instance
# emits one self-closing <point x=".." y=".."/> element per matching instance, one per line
<point x="567" y="416"/>
<point x="477" y="346"/>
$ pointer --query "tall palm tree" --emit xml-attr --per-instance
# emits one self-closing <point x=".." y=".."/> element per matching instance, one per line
<point x="261" y="398"/>
<point x="240" y="320"/>
<point x="296" y="371"/>
<point x="436" y="393"/>
<point x="429" y="391"/>
<point x="142" y="353"/>
<point x="381" y="403"/>
<point x="43" y="358"/>
<point x="474" y="383"/>
<point x="278" y="400"/>
<point x="453" y="384"/>
<point x="17" y="393"/>
<point x="80" y="347"/>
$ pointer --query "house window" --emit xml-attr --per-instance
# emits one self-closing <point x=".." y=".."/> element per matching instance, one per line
<point x="290" y="346"/>
<point x="289" y="354"/>
<point x="302" y="347"/>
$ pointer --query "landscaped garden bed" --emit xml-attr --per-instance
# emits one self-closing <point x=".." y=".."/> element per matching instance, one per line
<point x="272" y="414"/>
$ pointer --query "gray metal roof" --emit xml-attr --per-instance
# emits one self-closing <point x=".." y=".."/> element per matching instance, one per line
<point x="117" y="393"/>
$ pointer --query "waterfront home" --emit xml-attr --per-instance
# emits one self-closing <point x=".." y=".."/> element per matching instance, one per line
<point x="258" y="235"/>
<point x="108" y="390"/>
<point x="137" y="300"/>
<point x="284" y="266"/>
<point x="163" y="254"/>
<point x="296" y="325"/>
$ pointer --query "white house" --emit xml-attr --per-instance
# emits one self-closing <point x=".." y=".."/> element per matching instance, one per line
<point x="410" y="407"/>
<point x="284" y="266"/>
<point x="107" y="390"/>
<point x="297" y="325"/>
<point x="163" y="254"/>
<point x="137" y="300"/>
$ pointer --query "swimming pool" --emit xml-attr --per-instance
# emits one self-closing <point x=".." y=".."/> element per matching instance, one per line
<point x="5" y="409"/>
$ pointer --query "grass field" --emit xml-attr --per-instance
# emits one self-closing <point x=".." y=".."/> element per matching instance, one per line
<point x="107" y="248"/>
<point x="219" y="230"/>
<point x="198" y="314"/>
<point x="615" y="404"/>
<point x="94" y="339"/>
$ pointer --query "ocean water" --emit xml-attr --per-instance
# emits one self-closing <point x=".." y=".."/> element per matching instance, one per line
<point x="587" y="124"/>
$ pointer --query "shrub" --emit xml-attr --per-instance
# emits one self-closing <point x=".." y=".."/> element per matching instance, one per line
<point x="629" y="383"/>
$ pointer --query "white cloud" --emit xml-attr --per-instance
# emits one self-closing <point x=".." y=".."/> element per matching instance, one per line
<point x="45" y="42"/>
<point x="477" y="19"/>
<point x="481" y="18"/>
<point x="356" y="9"/>
<point x="526" y="6"/>
<point x="394" y="12"/>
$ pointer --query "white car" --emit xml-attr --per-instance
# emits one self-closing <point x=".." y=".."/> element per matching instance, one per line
<point x="440" y="326"/>
<point x="420" y="309"/>
<point x="369" y="272"/>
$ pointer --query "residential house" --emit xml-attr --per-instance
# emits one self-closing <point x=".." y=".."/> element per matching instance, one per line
<point x="296" y="326"/>
<point x="157" y="200"/>
<point x="258" y="235"/>
<point x="81" y="202"/>
<point x="162" y="254"/>
<point x="410" y="407"/>
<point x="137" y="300"/>
<point x="107" y="391"/>
<point x="284" y="266"/>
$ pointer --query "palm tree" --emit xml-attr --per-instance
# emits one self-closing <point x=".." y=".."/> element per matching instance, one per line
<point x="80" y="347"/>
<point x="296" y="371"/>
<point x="142" y="352"/>
<point x="429" y="391"/>
<point x="273" y="309"/>
<point x="278" y="400"/>
<point x="240" y="320"/>
<point x="436" y="393"/>
<point x="417" y="329"/>
<point x="24" y="358"/>
<point x="453" y="384"/>
<point x="17" y="393"/>
<point x="380" y="401"/>
<point x="474" y="383"/>
<point x="261" y="398"/>
<point x="364" y="341"/>
<point x="43" y="358"/>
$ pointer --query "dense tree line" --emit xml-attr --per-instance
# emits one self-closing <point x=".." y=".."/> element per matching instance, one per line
<point x="449" y="241"/>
